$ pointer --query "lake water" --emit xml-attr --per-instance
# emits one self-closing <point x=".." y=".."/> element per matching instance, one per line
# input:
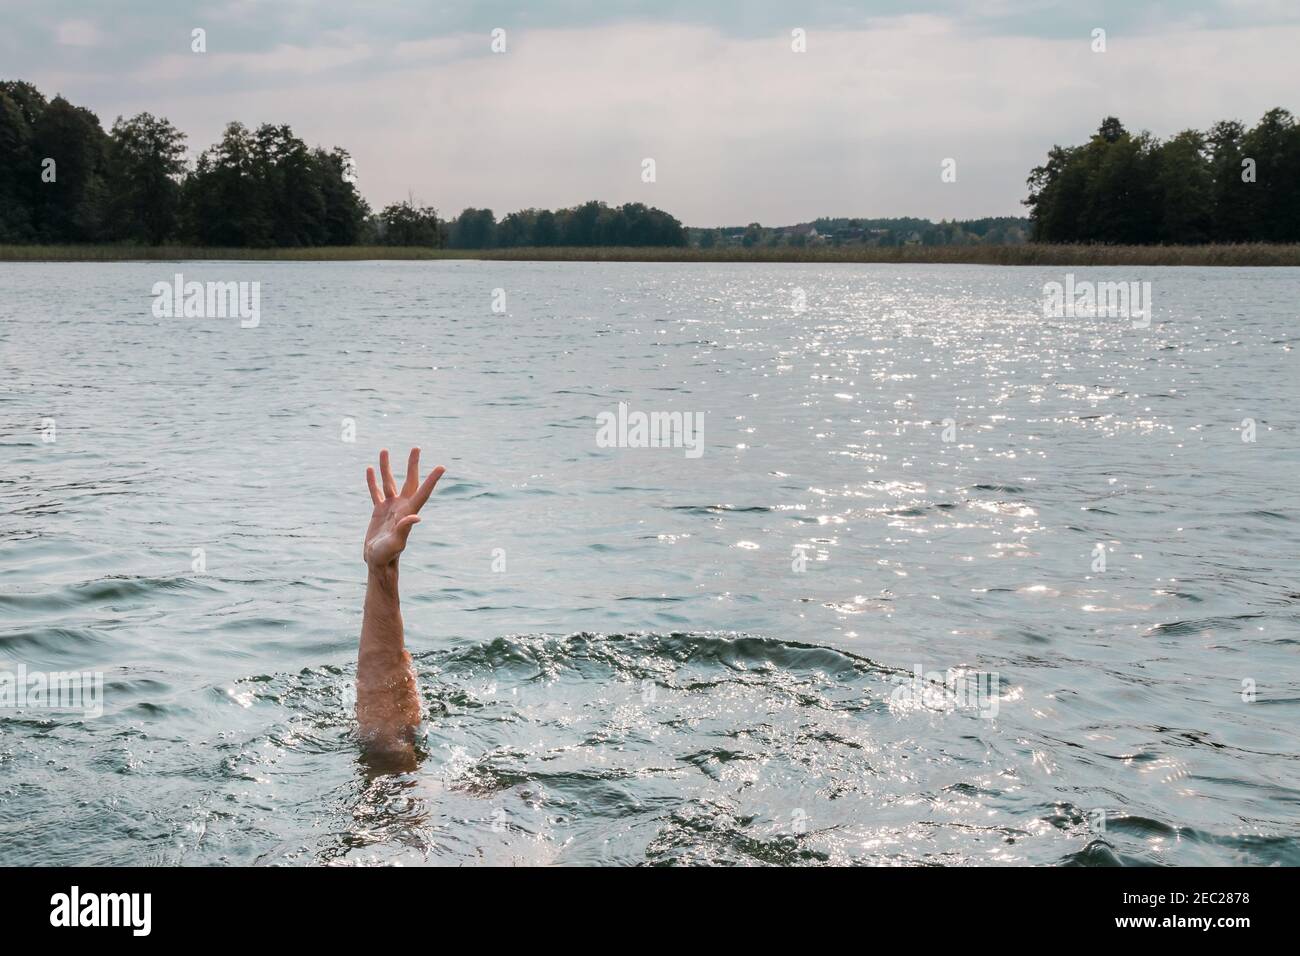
<point x="633" y="655"/>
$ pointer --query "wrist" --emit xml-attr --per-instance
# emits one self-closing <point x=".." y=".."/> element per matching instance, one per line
<point x="384" y="572"/>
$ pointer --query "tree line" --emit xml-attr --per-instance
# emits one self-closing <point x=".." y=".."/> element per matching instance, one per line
<point x="64" y="179"/>
<point x="590" y="224"/>
<point x="1228" y="184"/>
<point x="880" y="233"/>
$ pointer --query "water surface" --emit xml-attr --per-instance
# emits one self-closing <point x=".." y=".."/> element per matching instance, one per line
<point x="650" y="678"/>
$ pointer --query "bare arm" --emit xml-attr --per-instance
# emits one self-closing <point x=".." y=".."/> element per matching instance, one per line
<point x="388" y="700"/>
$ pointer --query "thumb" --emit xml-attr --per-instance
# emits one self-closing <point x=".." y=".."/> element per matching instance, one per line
<point x="403" y="528"/>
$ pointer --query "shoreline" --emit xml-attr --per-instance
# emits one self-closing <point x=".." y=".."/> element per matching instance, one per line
<point x="1024" y="254"/>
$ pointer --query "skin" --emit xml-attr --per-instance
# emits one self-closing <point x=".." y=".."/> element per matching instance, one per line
<point x="388" y="699"/>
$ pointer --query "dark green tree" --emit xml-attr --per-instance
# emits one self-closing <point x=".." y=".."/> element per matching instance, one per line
<point x="146" y="163"/>
<point x="1185" y="182"/>
<point x="345" y="211"/>
<point x="408" y="224"/>
<point x="1227" y="185"/>
<point x="546" y="231"/>
<point x="73" y="205"/>
<point x="19" y="172"/>
<point x="283" y="177"/>
<point x="21" y="105"/>
<point x="579" y="224"/>
<point x="1230" y="195"/>
<point x="223" y="203"/>
<point x="30" y="101"/>
<point x="474" y="229"/>
<point x="1274" y="204"/>
<point x="517" y="229"/>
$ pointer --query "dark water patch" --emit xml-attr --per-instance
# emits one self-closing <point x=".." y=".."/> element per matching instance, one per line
<point x="1098" y="853"/>
<point x="708" y="833"/>
<point x="234" y="621"/>
<point x="718" y="509"/>
<point x="1232" y="622"/>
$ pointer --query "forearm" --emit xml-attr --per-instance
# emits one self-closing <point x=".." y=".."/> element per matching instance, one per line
<point x="388" y="700"/>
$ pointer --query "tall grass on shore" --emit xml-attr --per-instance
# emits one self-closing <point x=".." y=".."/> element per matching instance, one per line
<point x="1022" y="254"/>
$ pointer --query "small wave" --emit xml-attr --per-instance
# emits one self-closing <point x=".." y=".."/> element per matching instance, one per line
<point x="101" y="591"/>
<point x="1231" y="622"/>
<point x="55" y="640"/>
<point x="639" y="654"/>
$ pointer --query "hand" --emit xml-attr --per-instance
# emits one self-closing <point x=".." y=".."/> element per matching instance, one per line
<point x="395" y="514"/>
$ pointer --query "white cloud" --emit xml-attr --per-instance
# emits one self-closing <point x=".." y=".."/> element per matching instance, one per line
<point x="77" y="33"/>
<point x="294" y="61"/>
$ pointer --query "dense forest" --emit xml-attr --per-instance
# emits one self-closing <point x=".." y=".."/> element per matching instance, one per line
<point x="63" y="180"/>
<point x="1229" y="184"/>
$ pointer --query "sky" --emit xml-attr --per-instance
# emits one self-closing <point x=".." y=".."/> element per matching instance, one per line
<point x="740" y="126"/>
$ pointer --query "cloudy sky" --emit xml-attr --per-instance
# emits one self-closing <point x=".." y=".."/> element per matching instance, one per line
<point x="740" y="126"/>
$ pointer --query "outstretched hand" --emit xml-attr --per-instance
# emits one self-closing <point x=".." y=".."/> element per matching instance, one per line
<point x="396" y="513"/>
